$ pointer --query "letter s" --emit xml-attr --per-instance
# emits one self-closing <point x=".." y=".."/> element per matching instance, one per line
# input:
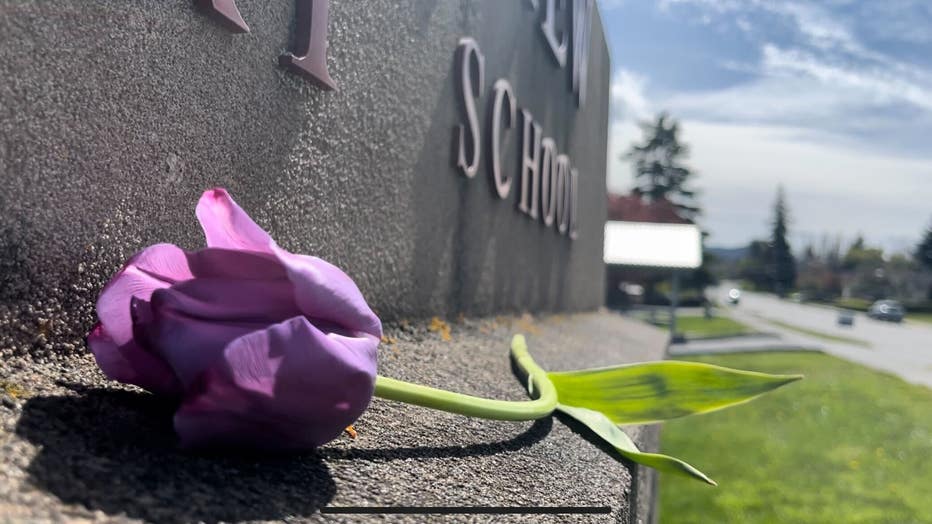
<point x="470" y="69"/>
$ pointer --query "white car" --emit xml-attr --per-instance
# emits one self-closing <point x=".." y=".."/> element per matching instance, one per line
<point x="734" y="296"/>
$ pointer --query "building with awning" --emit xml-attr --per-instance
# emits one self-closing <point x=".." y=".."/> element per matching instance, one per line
<point x="632" y="247"/>
<point x="651" y="245"/>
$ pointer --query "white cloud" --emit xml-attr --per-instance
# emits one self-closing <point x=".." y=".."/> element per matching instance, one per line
<point x="821" y="29"/>
<point x="878" y="84"/>
<point x="831" y="188"/>
<point x="885" y="106"/>
<point x="715" y="6"/>
<point x="764" y="100"/>
<point x="629" y="105"/>
<point x="628" y="99"/>
<point x="798" y="89"/>
<point x="824" y="114"/>
<point x="621" y="135"/>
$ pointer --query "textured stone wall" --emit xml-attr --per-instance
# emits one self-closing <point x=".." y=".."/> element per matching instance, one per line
<point x="116" y="115"/>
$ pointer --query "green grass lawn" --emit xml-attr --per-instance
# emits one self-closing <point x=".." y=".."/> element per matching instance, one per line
<point x="921" y="317"/>
<point x="857" y="304"/>
<point x="697" y="326"/>
<point x="818" y="334"/>
<point x="844" y="445"/>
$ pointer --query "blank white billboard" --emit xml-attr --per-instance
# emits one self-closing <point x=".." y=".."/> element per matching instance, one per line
<point x="647" y="244"/>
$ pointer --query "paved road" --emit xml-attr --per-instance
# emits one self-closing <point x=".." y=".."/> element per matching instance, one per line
<point x="902" y="349"/>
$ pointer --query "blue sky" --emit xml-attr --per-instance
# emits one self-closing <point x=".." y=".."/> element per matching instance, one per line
<point x="832" y="99"/>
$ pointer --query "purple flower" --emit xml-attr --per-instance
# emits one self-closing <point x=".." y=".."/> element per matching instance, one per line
<point x="265" y="348"/>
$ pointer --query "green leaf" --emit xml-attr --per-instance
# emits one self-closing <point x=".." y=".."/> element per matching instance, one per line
<point x="608" y="431"/>
<point x="657" y="391"/>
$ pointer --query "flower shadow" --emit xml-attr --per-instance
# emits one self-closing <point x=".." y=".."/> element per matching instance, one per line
<point x="116" y="451"/>
<point x="537" y="432"/>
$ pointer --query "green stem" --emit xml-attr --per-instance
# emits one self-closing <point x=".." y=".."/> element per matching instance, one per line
<point x="543" y="405"/>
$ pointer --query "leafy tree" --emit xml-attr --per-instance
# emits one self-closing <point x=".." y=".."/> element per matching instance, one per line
<point x="816" y="277"/>
<point x="658" y="169"/>
<point x="924" y="249"/>
<point x="784" y="265"/>
<point x="862" y="257"/>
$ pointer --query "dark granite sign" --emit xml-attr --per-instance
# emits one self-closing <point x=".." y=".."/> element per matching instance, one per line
<point x="135" y="108"/>
<point x="548" y="182"/>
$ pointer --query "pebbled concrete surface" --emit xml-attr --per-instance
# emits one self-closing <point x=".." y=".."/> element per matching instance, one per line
<point x="76" y="447"/>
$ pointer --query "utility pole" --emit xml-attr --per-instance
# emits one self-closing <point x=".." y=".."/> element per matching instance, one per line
<point x="674" y="301"/>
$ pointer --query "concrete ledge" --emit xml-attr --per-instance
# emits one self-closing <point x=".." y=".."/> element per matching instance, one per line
<point x="78" y="447"/>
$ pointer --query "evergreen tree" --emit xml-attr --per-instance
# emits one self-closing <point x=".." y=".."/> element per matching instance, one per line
<point x="658" y="169"/>
<point x="924" y="249"/>
<point x="784" y="265"/>
<point x="923" y="255"/>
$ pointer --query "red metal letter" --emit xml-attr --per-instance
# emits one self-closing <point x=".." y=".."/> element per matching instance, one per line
<point x="225" y="12"/>
<point x="310" y="57"/>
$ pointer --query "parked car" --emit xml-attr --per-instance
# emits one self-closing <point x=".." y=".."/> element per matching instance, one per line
<point x="734" y="296"/>
<point x="887" y="310"/>
<point x="845" y="317"/>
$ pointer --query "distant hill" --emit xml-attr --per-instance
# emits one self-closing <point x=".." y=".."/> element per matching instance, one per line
<point x="728" y="254"/>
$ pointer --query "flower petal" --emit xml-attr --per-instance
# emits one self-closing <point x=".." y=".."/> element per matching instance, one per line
<point x="229" y="263"/>
<point x="155" y="267"/>
<point x="226" y="225"/>
<point x="191" y="323"/>
<point x="322" y="290"/>
<point x="132" y="364"/>
<point x="325" y="292"/>
<point x="229" y="299"/>
<point x="290" y="386"/>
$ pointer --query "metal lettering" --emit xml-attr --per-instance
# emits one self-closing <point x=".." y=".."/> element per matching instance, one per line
<point x="225" y="12"/>
<point x="574" y="201"/>
<point x="310" y="56"/>
<point x="548" y="167"/>
<point x="548" y="26"/>
<point x="530" y="164"/>
<point x="582" y="29"/>
<point x="563" y="185"/>
<point x="503" y="94"/>
<point x="470" y="68"/>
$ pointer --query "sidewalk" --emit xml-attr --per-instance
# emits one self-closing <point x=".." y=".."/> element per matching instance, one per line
<point x="908" y="362"/>
<point x="761" y="342"/>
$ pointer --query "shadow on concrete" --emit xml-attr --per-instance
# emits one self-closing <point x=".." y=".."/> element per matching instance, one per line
<point x="636" y="496"/>
<point x="537" y="432"/>
<point x="589" y="436"/>
<point x="115" y="451"/>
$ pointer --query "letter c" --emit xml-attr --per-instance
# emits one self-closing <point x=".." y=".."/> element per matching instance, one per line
<point x="502" y="95"/>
